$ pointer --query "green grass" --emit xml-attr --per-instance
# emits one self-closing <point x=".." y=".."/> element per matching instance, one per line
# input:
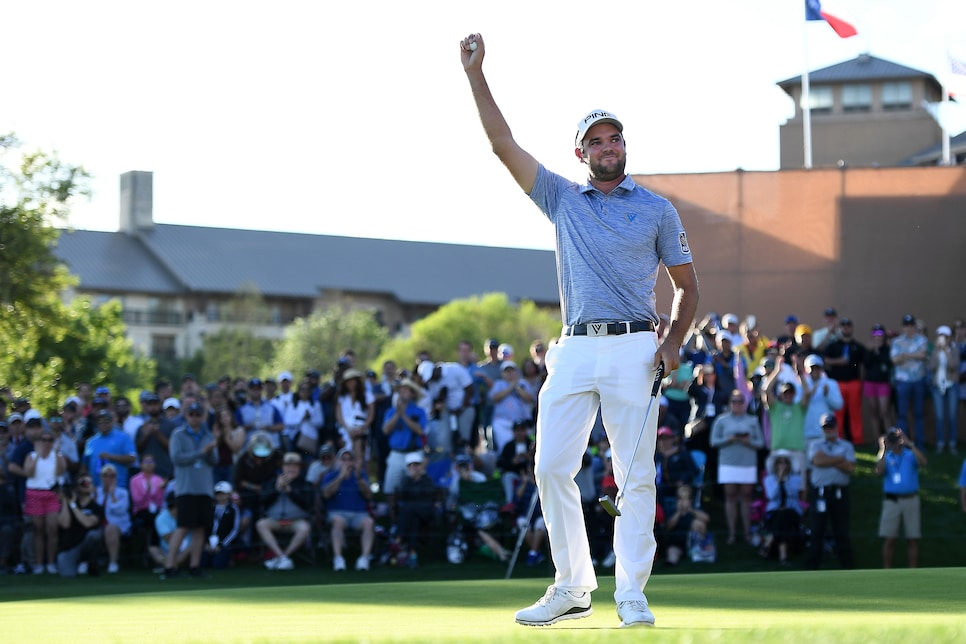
<point x="828" y="606"/>
<point x="740" y="598"/>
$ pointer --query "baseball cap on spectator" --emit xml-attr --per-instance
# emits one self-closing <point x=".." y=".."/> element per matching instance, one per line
<point x="786" y="386"/>
<point x="830" y="312"/>
<point x="908" y="320"/>
<point x="255" y="382"/>
<point x="791" y="319"/>
<point x="285" y="375"/>
<point x="313" y="373"/>
<point x="223" y="487"/>
<point x="370" y="374"/>
<point x="350" y="374"/>
<point x="944" y="330"/>
<point x="73" y="400"/>
<point x="99" y="400"/>
<point x="845" y="322"/>
<point x="414" y="457"/>
<point x="505" y="350"/>
<point x="187" y="376"/>
<point x="3" y="424"/>
<point x="463" y="459"/>
<point x="15" y="418"/>
<point x="814" y="361"/>
<point x="425" y="370"/>
<point x="326" y="449"/>
<point x="492" y="342"/>
<point x="172" y="402"/>
<point x="729" y="318"/>
<point x="151" y="397"/>
<point x="802" y="329"/>
<point x="828" y="420"/>
<point x="103" y="413"/>
<point x="342" y="452"/>
<point x="32" y="417"/>
<point x="292" y="457"/>
<point x="507" y="364"/>
<point x="195" y="408"/>
<point x="665" y="431"/>
<point x="102" y="391"/>
<point x="343" y="362"/>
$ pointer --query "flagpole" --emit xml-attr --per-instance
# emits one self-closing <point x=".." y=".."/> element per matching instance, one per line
<point x="806" y="101"/>
<point x="942" y="124"/>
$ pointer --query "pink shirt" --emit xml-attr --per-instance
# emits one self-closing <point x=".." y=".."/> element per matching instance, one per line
<point x="146" y="492"/>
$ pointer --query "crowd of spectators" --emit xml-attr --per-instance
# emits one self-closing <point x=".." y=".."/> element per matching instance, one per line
<point x="378" y="463"/>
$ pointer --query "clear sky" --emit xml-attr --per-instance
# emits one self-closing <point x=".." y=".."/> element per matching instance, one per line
<point x="355" y="118"/>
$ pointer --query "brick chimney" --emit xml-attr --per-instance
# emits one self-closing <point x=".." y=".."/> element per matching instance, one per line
<point x="137" y="201"/>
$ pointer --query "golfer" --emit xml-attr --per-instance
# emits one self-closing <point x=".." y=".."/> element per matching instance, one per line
<point x="611" y="237"/>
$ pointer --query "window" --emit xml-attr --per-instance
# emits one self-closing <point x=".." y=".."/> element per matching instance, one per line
<point x="820" y="99"/>
<point x="896" y="96"/>
<point x="857" y="98"/>
<point x="162" y="347"/>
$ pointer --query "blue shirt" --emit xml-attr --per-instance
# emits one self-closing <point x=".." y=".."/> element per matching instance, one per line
<point x="347" y="498"/>
<point x="401" y="437"/>
<point x="901" y="473"/>
<point x="115" y="442"/>
<point x="609" y="247"/>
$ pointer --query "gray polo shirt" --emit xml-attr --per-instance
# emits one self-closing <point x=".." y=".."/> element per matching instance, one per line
<point x="824" y="476"/>
<point x="193" y="469"/>
<point x="609" y="247"/>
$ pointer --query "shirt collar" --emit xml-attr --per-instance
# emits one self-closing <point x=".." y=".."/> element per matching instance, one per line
<point x="627" y="185"/>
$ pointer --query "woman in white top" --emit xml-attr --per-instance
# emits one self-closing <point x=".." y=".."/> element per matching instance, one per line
<point x="303" y="419"/>
<point x="117" y="511"/>
<point x="43" y="467"/>
<point x="354" y="412"/>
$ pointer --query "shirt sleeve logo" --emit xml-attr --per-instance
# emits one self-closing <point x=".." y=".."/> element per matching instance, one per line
<point x="683" y="239"/>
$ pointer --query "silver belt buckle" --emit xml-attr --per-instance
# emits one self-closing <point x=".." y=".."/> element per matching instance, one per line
<point x="596" y="329"/>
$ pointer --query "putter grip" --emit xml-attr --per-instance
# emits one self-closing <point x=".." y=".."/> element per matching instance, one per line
<point x="658" y="377"/>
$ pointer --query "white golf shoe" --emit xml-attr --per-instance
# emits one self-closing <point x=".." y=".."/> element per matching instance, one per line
<point x="635" y="613"/>
<point x="556" y="605"/>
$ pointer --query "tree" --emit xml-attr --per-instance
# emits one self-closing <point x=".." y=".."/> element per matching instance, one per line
<point x="315" y="342"/>
<point x="49" y="346"/>
<point x="237" y="350"/>
<point x="474" y="319"/>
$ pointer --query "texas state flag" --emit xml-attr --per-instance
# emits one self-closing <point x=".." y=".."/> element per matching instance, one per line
<point x="827" y="11"/>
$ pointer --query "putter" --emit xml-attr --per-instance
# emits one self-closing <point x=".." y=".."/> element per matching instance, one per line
<point x="523" y="533"/>
<point x="611" y="506"/>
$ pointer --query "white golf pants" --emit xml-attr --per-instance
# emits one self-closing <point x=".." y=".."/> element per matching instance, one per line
<point x="614" y="373"/>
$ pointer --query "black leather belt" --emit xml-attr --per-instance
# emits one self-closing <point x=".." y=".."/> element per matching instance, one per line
<point x="896" y="497"/>
<point x="596" y="329"/>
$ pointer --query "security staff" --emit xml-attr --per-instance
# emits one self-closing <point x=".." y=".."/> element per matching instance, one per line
<point x="832" y="463"/>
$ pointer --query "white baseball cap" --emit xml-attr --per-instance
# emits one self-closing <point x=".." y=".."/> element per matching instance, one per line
<point x="172" y="402"/>
<point x="425" y="370"/>
<point x="592" y="119"/>
<point x="285" y="375"/>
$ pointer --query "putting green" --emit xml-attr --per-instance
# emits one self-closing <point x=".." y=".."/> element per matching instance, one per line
<point x="855" y="606"/>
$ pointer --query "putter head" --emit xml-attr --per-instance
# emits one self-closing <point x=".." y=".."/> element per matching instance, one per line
<point x="609" y="506"/>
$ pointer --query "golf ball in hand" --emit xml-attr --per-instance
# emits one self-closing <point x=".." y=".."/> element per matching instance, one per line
<point x="473" y="46"/>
